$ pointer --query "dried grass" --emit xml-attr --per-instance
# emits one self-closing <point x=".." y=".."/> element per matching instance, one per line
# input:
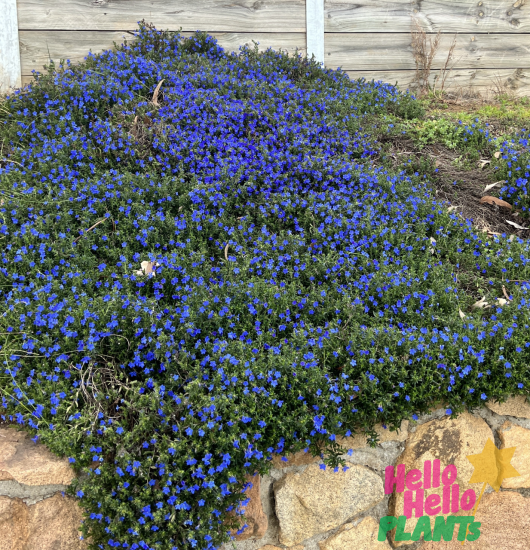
<point x="424" y="50"/>
<point x="502" y="90"/>
<point x="448" y="66"/>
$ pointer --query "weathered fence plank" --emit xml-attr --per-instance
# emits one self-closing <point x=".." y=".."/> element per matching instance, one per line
<point x="475" y="16"/>
<point x="38" y="47"/>
<point x="386" y="52"/>
<point x="191" y="15"/>
<point x="482" y="80"/>
<point x="469" y="16"/>
<point x="9" y="48"/>
<point x="364" y="37"/>
<point x="354" y="51"/>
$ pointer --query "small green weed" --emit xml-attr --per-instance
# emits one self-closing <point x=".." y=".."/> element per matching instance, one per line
<point x="446" y="132"/>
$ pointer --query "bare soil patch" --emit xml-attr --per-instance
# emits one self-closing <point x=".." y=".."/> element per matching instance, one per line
<point x="462" y="185"/>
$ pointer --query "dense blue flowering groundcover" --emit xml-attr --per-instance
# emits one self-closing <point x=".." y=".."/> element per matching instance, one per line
<point x="293" y="290"/>
<point x="515" y="169"/>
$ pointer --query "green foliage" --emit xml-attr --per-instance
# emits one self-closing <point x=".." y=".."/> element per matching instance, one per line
<point x="294" y="290"/>
<point x="446" y="132"/>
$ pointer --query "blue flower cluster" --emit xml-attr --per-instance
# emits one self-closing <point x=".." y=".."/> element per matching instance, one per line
<point x="197" y="279"/>
<point x="515" y="168"/>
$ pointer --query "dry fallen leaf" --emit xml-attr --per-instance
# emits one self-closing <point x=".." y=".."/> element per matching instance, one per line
<point x="433" y="242"/>
<point x="492" y="185"/>
<point x="497" y="154"/>
<point x="481" y="304"/>
<point x="155" y="93"/>
<point x="462" y="314"/>
<point x="226" y="252"/>
<point x="148" y="268"/>
<point x="134" y="130"/>
<point x="511" y="238"/>
<point x="516" y="225"/>
<point x="494" y="200"/>
<point x="501" y="302"/>
<point x="506" y="293"/>
<point x="484" y="162"/>
<point x="451" y="208"/>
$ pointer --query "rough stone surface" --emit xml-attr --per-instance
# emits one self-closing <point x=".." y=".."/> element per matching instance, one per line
<point x="271" y="547"/>
<point x="29" y="463"/>
<point x="505" y="525"/>
<point x="13" y="524"/>
<point x="384" y="434"/>
<point x="357" y="441"/>
<point x="512" y="435"/>
<point x="51" y="524"/>
<point x="33" y="513"/>
<point x="316" y="500"/>
<point x="300" y="458"/>
<point x="254" y="517"/>
<point x="514" y="406"/>
<point x="449" y="440"/>
<point x="378" y="457"/>
<point x="54" y="525"/>
<point x="436" y="412"/>
<point x="362" y="536"/>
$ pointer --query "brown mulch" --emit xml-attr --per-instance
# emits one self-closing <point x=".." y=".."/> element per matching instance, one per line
<point x="465" y="194"/>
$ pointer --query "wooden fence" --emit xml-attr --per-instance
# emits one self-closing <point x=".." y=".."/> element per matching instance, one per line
<point x="370" y="38"/>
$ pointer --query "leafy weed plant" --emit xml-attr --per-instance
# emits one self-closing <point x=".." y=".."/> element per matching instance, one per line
<point x="446" y="132"/>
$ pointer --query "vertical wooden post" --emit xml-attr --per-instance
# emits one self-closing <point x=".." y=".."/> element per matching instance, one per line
<point x="9" y="46"/>
<point x="314" y="28"/>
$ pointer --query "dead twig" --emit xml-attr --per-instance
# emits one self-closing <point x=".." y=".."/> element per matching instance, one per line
<point x="13" y="161"/>
<point x="90" y="229"/>
<point x="446" y="69"/>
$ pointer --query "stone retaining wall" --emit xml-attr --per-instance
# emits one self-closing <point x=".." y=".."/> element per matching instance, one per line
<point x="300" y="505"/>
<point x="34" y="513"/>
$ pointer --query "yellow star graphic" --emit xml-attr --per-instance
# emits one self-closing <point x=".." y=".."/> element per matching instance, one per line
<point x="492" y="465"/>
